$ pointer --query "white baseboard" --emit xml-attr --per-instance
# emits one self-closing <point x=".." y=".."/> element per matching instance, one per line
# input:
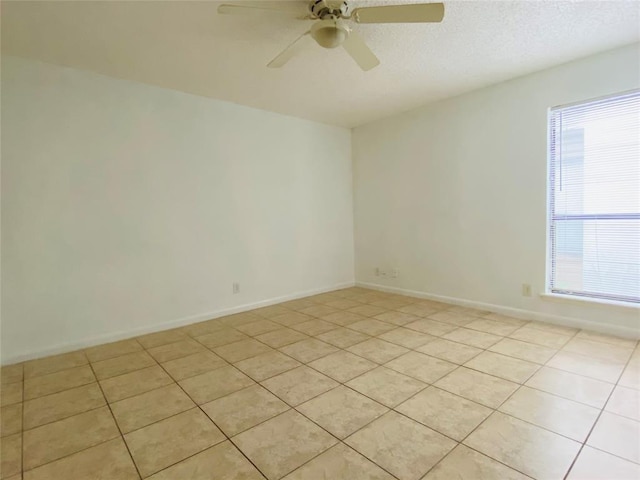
<point x="135" y="332"/>
<point x="616" y="330"/>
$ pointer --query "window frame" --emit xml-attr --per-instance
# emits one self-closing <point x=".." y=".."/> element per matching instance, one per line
<point x="549" y="244"/>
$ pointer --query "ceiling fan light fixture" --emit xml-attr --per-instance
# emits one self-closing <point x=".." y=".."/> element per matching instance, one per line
<point x="329" y="33"/>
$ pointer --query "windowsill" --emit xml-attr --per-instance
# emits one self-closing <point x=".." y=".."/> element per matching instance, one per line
<point x="586" y="300"/>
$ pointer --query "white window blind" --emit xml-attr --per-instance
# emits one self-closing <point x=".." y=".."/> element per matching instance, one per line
<point x="594" y="198"/>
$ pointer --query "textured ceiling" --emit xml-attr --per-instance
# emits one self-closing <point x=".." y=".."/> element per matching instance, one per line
<point x="186" y="46"/>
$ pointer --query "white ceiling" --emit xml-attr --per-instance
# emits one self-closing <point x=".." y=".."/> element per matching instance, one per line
<point x="186" y="46"/>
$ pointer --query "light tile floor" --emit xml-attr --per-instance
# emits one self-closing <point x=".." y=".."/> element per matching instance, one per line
<point x="349" y="385"/>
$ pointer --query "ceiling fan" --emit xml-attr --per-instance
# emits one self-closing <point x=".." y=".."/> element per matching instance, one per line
<point x="330" y="29"/>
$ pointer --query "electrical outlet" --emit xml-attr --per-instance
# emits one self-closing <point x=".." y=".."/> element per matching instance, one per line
<point x="236" y="288"/>
<point x="526" y="290"/>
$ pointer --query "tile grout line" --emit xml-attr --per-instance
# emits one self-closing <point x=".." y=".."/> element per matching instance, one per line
<point x="214" y="423"/>
<point x="344" y="350"/>
<point x="115" y="420"/>
<point x="602" y="410"/>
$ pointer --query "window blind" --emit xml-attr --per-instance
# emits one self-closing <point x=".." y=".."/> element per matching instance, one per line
<point x="594" y="198"/>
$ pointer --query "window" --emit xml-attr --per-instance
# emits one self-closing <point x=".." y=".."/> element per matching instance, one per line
<point x="594" y="199"/>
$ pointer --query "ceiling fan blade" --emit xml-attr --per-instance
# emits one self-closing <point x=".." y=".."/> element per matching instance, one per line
<point x="360" y="52"/>
<point x="296" y="9"/>
<point x="289" y="52"/>
<point x="412" y="13"/>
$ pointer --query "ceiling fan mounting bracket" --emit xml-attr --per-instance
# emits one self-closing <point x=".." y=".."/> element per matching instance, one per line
<point x="328" y="9"/>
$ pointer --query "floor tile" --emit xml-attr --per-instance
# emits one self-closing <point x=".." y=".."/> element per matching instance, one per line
<point x="454" y="352"/>
<point x="523" y="350"/>
<point x="444" y="412"/>
<point x="314" y="327"/>
<point x="308" y="350"/>
<point x="11" y="373"/>
<point x="150" y="407"/>
<point x="549" y="327"/>
<point x="244" y="409"/>
<point x="418" y="310"/>
<point x="498" y="317"/>
<point x="341" y="411"/>
<point x="171" y="440"/>
<point x="112" y="350"/>
<point x="109" y="460"/>
<point x="121" y="365"/>
<point x="343" y="304"/>
<point x="270" y="311"/>
<point x="221" y="337"/>
<point x="407" y="338"/>
<point x="318" y="310"/>
<point x="299" y="385"/>
<point x="204" y="328"/>
<point x="515" y="443"/>
<point x="540" y="337"/>
<point x="601" y="337"/>
<point x="234" y="352"/>
<point x="568" y="385"/>
<point x="604" y="351"/>
<point x="367" y="310"/>
<point x="11" y="419"/>
<point x="193" y="365"/>
<point x="280" y="445"/>
<point x="10" y="456"/>
<point x="343" y="337"/>
<point x="57" y="382"/>
<point x="625" y="402"/>
<point x="134" y="383"/>
<point x="631" y="375"/>
<point x="281" y="337"/>
<point x="431" y="327"/>
<point x="267" y="365"/>
<point x="472" y="337"/>
<point x="342" y="366"/>
<point x="492" y="326"/>
<point x="371" y="326"/>
<point x="566" y="417"/>
<point x="339" y="463"/>
<point x="54" y="364"/>
<point x="215" y="384"/>
<point x="343" y="318"/>
<point x="386" y="386"/>
<point x="401" y="446"/>
<point x="220" y="462"/>
<point x="397" y="318"/>
<point x="289" y="319"/>
<point x="479" y="387"/>
<point x="594" y="464"/>
<point x="256" y="328"/>
<point x="10" y="394"/>
<point x="172" y="351"/>
<point x="509" y="368"/>
<point x="377" y="350"/>
<point x="56" y="440"/>
<point x="453" y="318"/>
<point x="58" y="406"/>
<point x="238" y="319"/>
<point x="617" y="435"/>
<point x="423" y="367"/>
<point x="162" y="338"/>
<point x="604" y="370"/>
<point x="466" y="464"/>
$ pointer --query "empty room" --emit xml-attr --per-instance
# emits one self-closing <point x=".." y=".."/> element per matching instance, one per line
<point x="320" y="240"/>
